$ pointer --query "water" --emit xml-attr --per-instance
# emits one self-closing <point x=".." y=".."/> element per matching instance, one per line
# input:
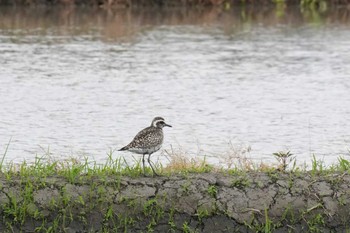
<point x="79" y="82"/>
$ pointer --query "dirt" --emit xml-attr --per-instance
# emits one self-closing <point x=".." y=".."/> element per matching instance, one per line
<point x="208" y="202"/>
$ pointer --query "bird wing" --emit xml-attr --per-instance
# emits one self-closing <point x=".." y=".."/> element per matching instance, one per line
<point x="148" y="137"/>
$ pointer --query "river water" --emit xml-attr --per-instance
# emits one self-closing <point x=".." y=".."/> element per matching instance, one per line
<point x="81" y="82"/>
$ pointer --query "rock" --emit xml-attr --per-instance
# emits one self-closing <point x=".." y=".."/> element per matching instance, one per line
<point x="322" y="188"/>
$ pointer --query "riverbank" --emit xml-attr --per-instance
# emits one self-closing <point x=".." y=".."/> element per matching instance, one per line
<point x="82" y="197"/>
<point x="167" y="3"/>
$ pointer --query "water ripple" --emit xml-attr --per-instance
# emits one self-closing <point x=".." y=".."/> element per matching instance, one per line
<point x="273" y="88"/>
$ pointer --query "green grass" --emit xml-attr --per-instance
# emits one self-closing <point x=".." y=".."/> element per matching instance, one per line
<point x="45" y="172"/>
<point x="4" y="155"/>
<point x="73" y="169"/>
<point x="212" y="191"/>
<point x="178" y="163"/>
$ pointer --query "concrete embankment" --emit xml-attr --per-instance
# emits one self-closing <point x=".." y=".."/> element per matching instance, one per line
<point x="207" y="202"/>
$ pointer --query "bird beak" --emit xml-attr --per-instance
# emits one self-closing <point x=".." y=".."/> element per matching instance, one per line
<point x="165" y="124"/>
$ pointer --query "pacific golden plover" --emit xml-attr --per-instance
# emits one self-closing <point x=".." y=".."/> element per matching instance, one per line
<point x="148" y="141"/>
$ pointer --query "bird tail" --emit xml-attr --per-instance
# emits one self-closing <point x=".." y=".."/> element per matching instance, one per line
<point x="124" y="148"/>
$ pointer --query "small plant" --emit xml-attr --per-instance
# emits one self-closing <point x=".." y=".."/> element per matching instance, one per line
<point x="212" y="190"/>
<point x="258" y="226"/>
<point x="171" y="221"/>
<point x="149" y="206"/>
<point x="268" y="223"/>
<point x="186" y="228"/>
<point x="344" y="165"/>
<point x="151" y="224"/>
<point x="342" y="200"/>
<point x="315" y="223"/>
<point x="153" y="209"/>
<point x="289" y="215"/>
<point x="172" y="224"/>
<point x="240" y="182"/>
<point x="185" y="187"/>
<point x="202" y="213"/>
<point x="109" y="214"/>
<point x="273" y="175"/>
<point x="317" y="166"/>
<point x="4" y="155"/>
<point x="284" y="159"/>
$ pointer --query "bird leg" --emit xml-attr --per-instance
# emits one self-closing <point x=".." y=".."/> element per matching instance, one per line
<point x="143" y="164"/>
<point x="149" y="162"/>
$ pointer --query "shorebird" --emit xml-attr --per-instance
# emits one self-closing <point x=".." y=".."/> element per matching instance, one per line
<point x="148" y="141"/>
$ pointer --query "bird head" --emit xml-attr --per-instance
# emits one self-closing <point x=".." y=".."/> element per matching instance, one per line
<point x="159" y="122"/>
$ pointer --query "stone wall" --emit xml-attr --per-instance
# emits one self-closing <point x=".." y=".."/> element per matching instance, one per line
<point x="207" y="202"/>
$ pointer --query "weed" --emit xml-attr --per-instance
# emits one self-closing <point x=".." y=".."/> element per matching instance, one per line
<point x="268" y="223"/>
<point x="344" y="165"/>
<point x="179" y="162"/>
<point x="240" y="182"/>
<point x="186" y="228"/>
<point x="288" y="215"/>
<point x="109" y="214"/>
<point x="171" y="218"/>
<point x="4" y="155"/>
<point x="284" y="159"/>
<point x="202" y="213"/>
<point x="153" y="210"/>
<point x="317" y="166"/>
<point x="212" y="191"/>
<point x="315" y="223"/>
<point x="342" y="200"/>
<point x="185" y="187"/>
<point x="148" y="207"/>
<point x="273" y="175"/>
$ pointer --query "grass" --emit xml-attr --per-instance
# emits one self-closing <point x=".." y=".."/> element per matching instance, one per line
<point x="45" y="172"/>
<point x="237" y="163"/>
<point x="3" y="157"/>
<point x="212" y="191"/>
<point x="180" y="162"/>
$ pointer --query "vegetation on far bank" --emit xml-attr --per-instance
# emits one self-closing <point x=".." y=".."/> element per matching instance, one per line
<point x="165" y="3"/>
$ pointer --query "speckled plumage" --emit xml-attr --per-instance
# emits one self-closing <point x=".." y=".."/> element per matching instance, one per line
<point x="148" y="140"/>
